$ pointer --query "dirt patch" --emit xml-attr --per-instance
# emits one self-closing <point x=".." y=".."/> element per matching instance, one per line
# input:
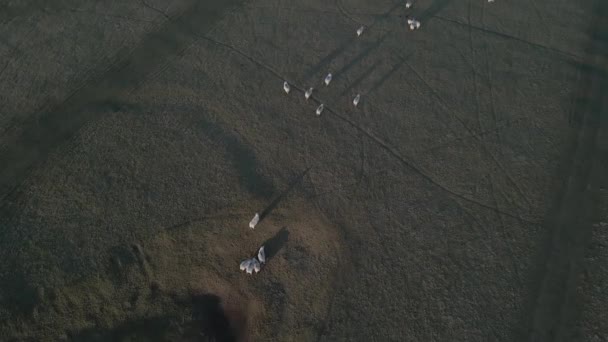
<point x="192" y="287"/>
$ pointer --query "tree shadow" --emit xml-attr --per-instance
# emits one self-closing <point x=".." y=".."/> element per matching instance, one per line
<point x="149" y="329"/>
<point x="273" y="245"/>
<point x="20" y="298"/>
<point x="209" y="322"/>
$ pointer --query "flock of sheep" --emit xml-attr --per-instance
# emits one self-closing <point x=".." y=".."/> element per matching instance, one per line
<point x="254" y="264"/>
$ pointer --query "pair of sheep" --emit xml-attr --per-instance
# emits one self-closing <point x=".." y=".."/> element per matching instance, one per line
<point x="254" y="264"/>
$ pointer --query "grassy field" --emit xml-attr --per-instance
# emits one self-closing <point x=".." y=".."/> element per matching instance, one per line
<point x="464" y="199"/>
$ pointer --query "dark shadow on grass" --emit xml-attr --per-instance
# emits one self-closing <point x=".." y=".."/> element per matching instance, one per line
<point x="281" y="196"/>
<point x="209" y="317"/>
<point x="209" y="322"/>
<point x="586" y="98"/>
<point x="20" y="297"/>
<point x="433" y="10"/>
<point x="330" y="57"/>
<point x="150" y="329"/>
<point x="362" y="55"/>
<point x="47" y="128"/>
<point x="553" y="312"/>
<point x="360" y="79"/>
<point x="273" y="245"/>
<point x="386" y="76"/>
<point x="243" y="158"/>
<point x="337" y="51"/>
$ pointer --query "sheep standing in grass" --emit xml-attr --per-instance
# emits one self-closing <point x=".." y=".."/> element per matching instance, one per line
<point x="308" y="93"/>
<point x="360" y="31"/>
<point x="320" y="109"/>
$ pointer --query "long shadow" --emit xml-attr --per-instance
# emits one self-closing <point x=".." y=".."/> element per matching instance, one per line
<point x="322" y="64"/>
<point x="360" y="79"/>
<point x="386" y="76"/>
<point x="432" y="10"/>
<point x="337" y="51"/>
<point x="281" y="196"/>
<point x="362" y="55"/>
<point x="273" y="245"/>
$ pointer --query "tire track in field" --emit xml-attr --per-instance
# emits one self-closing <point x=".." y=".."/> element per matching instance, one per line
<point x="471" y="132"/>
<point x="43" y="132"/>
<point x="371" y="136"/>
<point x="555" y="302"/>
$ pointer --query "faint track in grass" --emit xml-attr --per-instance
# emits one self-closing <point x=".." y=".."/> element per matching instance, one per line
<point x="370" y="135"/>
<point x="423" y="174"/>
<point x="522" y="194"/>
<point x="107" y="15"/>
<point x="466" y="127"/>
<point x="476" y="95"/>
<point x="345" y="13"/>
<point x="360" y="79"/>
<point x="564" y="54"/>
<point x="436" y="7"/>
<point x="163" y="14"/>
<point x="376" y="85"/>
<point x="542" y="19"/>
<point x="506" y="241"/>
<point x="469" y="136"/>
<point x="481" y="141"/>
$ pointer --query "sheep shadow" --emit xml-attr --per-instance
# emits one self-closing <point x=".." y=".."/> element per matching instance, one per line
<point x="209" y="322"/>
<point x="282" y="195"/>
<point x="273" y="245"/>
